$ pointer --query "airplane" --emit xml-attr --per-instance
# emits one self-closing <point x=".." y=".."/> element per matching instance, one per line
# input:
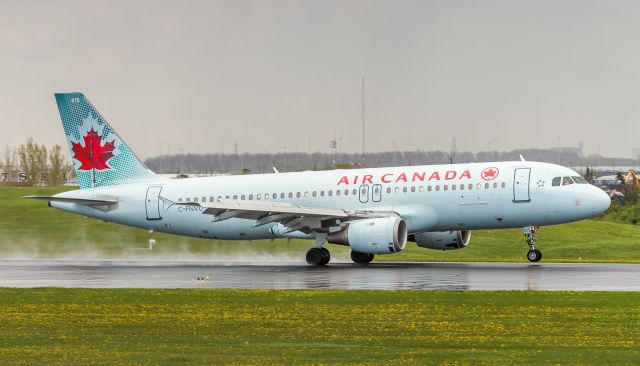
<point x="371" y="210"/>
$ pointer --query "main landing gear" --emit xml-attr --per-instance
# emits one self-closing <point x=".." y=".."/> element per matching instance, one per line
<point x="318" y="256"/>
<point x="362" y="258"/>
<point x="533" y="255"/>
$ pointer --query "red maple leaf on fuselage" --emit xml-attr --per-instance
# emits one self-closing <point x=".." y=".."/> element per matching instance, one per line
<point x="93" y="155"/>
<point x="490" y="173"/>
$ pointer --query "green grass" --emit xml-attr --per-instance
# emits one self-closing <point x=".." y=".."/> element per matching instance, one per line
<point x="31" y="229"/>
<point x="176" y="327"/>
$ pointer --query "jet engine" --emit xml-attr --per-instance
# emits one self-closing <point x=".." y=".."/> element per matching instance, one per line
<point x="442" y="240"/>
<point x="374" y="236"/>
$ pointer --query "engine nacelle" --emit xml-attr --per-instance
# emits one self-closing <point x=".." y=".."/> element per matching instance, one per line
<point x="374" y="236"/>
<point x="442" y="240"/>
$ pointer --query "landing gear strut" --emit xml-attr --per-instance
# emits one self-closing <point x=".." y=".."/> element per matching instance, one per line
<point x="533" y="255"/>
<point x="363" y="258"/>
<point x="318" y="256"/>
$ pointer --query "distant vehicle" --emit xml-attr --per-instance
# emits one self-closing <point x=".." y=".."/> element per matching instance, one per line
<point x="372" y="210"/>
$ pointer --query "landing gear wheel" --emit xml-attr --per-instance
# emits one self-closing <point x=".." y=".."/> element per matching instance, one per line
<point x="363" y="258"/>
<point x="534" y="255"/>
<point x="318" y="256"/>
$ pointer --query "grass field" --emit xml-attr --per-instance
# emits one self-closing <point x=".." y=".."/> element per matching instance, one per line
<point x="131" y="327"/>
<point x="30" y="229"/>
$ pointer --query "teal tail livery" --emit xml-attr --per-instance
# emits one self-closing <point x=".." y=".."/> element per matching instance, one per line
<point x="373" y="211"/>
<point x="99" y="155"/>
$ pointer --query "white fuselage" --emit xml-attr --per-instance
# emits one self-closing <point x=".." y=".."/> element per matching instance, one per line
<point x="429" y="198"/>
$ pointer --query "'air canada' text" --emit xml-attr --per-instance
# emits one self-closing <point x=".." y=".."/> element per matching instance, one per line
<point x="404" y="177"/>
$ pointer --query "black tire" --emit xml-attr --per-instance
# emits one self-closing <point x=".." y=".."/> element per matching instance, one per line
<point x="318" y="256"/>
<point x="326" y="256"/>
<point x="534" y="255"/>
<point x="362" y="258"/>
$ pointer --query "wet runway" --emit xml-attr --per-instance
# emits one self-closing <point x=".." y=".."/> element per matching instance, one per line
<point x="383" y="276"/>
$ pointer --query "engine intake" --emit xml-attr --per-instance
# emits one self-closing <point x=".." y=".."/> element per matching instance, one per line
<point x="374" y="236"/>
<point x="442" y="240"/>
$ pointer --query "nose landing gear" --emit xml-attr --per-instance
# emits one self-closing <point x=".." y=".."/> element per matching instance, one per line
<point x="533" y="255"/>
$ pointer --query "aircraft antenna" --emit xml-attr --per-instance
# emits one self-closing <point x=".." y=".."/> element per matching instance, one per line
<point x="363" y="158"/>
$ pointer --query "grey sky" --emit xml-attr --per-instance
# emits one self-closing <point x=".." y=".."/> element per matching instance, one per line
<point x="271" y="74"/>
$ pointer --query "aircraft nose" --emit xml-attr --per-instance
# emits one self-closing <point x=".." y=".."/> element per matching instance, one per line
<point x="600" y="200"/>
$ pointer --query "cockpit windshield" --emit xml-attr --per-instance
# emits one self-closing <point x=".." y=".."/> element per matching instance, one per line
<point x="565" y="181"/>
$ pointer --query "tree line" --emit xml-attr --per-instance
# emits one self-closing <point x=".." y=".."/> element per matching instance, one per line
<point x="35" y="164"/>
<point x="264" y="162"/>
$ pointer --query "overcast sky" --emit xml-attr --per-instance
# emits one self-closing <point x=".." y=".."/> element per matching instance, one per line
<point x="273" y="75"/>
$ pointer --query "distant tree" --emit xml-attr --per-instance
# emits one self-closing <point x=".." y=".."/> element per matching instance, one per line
<point x="9" y="164"/>
<point x="588" y="175"/>
<point x="33" y="159"/>
<point x="57" y="166"/>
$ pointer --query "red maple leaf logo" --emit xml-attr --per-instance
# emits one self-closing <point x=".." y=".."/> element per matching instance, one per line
<point x="93" y="155"/>
<point x="489" y="173"/>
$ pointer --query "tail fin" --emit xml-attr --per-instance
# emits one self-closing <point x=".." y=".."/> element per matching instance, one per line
<point x="99" y="155"/>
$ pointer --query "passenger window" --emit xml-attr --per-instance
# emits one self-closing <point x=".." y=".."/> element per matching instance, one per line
<point x="453" y="187"/>
<point x="306" y="194"/>
<point x="321" y="193"/>
<point x="437" y="187"/>
<point x="298" y="194"/>
<point x="314" y="194"/>
<point x="275" y="196"/>
<point x="504" y="184"/>
<point x="195" y="199"/>
<point x="290" y="194"/>
<point x="204" y="199"/>
<point x="446" y="187"/>
<point x="429" y="188"/>
<point x="355" y="191"/>
<point x="346" y="192"/>
<point x="338" y="192"/>
<point x="556" y="181"/>
<point x="478" y="186"/>
<point x="413" y="189"/>
<point x="421" y="188"/>
<point x="495" y="185"/>
<point x="397" y="189"/>
<point x="188" y="199"/>
<point x="226" y="197"/>
<point x="404" y="189"/>
<point x="388" y="189"/>
<point x="243" y="197"/>
<point x="258" y="196"/>
<point x="179" y="199"/>
<point x="579" y="180"/>
<point x="470" y="186"/>
<point x="486" y="186"/>
<point x="566" y="181"/>
<point x="211" y="199"/>
<point x="282" y="195"/>
<point x="330" y="193"/>
<point x="462" y="187"/>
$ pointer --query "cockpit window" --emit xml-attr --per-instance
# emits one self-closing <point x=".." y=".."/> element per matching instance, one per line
<point x="566" y="181"/>
<point x="556" y="181"/>
<point x="579" y="180"/>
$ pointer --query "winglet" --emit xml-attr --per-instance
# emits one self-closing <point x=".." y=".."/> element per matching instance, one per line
<point x="275" y="170"/>
<point x="522" y="158"/>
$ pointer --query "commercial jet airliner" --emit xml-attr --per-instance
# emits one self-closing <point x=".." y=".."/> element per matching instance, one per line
<point x="372" y="210"/>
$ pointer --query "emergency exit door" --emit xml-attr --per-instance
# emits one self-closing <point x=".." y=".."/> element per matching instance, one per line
<point x="521" y="191"/>
<point x="152" y="203"/>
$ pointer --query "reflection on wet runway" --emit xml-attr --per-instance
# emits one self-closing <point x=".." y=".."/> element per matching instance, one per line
<point x="383" y="276"/>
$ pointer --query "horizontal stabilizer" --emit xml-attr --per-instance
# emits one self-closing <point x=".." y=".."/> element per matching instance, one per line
<point x="80" y="201"/>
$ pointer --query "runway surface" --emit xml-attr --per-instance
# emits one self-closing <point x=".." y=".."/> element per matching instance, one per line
<point x="383" y="276"/>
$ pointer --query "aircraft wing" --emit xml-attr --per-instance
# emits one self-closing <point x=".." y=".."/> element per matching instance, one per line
<point x="291" y="217"/>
